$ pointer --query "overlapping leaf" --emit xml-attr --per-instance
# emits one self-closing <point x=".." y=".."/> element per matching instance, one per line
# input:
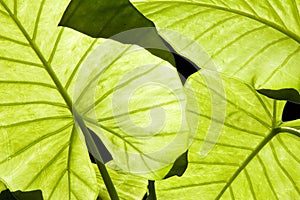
<point x="141" y="142"/>
<point x="107" y="19"/>
<point x="257" y="41"/>
<point x="256" y="155"/>
<point x="40" y="147"/>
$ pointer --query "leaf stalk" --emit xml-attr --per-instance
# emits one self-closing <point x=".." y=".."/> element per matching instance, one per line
<point x="93" y="148"/>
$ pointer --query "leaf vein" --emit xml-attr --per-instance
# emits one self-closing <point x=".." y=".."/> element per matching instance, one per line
<point x="191" y="15"/>
<point x="288" y="150"/>
<point x="267" y="176"/>
<point x="296" y="13"/>
<point x="248" y="159"/>
<point x="37" y="21"/>
<point x="55" y="45"/>
<point x="286" y="173"/>
<point x="275" y="26"/>
<point x="276" y="14"/>
<point x="261" y="101"/>
<point x="79" y="63"/>
<point x="119" y="87"/>
<point x="37" y="120"/>
<point x="262" y="122"/>
<point x="31" y="144"/>
<point x="14" y="41"/>
<point x="38" y="52"/>
<point x="57" y="183"/>
<point x="253" y="57"/>
<point x="81" y="179"/>
<point x="250" y="183"/>
<point x="28" y="83"/>
<point x="223" y="21"/>
<point x="249" y="32"/>
<point x="288" y="58"/>
<point x="21" y="62"/>
<point x="48" y="164"/>
<point x="227" y="124"/>
<point x="101" y="72"/>
<point x="182" y="187"/>
<point x="231" y="192"/>
<point x="56" y="104"/>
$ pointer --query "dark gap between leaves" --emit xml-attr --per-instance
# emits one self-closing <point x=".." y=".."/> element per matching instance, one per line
<point x="291" y="111"/>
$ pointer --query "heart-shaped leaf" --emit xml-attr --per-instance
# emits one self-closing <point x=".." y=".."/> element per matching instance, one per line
<point x="256" y="155"/>
<point x="141" y="142"/>
<point x="257" y="41"/>
<point x="41" y="148"/>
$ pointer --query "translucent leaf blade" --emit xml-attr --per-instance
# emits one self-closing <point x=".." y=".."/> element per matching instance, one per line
<point x="255" y="41"/>
<point x="251" y="159"/>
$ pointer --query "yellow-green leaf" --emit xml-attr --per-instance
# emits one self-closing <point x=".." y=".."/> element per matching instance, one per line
<point x="257" y="41"/>
<point x="41" y="149"/>
<point x="256" y="155"/>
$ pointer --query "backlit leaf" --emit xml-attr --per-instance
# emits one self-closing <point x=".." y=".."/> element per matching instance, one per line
<point x="107" y="19"/>
<point x="41" y="148"/>
<point x="257" y="41"/>
<point x="256" y="155"/>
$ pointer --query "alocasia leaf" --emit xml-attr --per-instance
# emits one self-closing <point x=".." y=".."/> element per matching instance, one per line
<point x="41" y="148"/>
<point x="140" y="142"/>
<point x="256" y="155"/>
<point x="257" y="41"/>
<point x="106" y="19"/>
<point x="129" y="187"/>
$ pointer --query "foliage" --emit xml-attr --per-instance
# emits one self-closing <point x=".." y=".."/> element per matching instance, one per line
<point x="257" y="41"/>
<point x="45" y="110"/>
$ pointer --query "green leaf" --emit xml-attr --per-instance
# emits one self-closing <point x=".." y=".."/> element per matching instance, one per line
<point x="106" y="19"/>
<point x="18" y="195"/>
<point x="139" y="114"/>
<point x="179" y="166"/>
<point x="257" y="41"/>
<point x="129" y="187"/>
<point x="2" y="187"/>
<point x="38" y="138"/>
<point x="103" y="18"/>
<point x="256" y="155"/>
<point x="294" y="124"/>
<point x="282" y="94"/>
<point x="39" y="63"/>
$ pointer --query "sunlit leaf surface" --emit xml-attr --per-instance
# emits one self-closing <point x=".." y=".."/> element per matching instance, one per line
<point x="257" y="41"/>
<point x="40" y="147"/>
<point x="256" y="155"/>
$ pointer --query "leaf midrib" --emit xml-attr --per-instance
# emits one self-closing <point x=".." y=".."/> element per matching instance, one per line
<point x="274" y="131"/>
<point x="54" y="78"/>
<point x="286" y="32"/>
<point x="247" y="161"/>
<point x="38" y="52"/>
